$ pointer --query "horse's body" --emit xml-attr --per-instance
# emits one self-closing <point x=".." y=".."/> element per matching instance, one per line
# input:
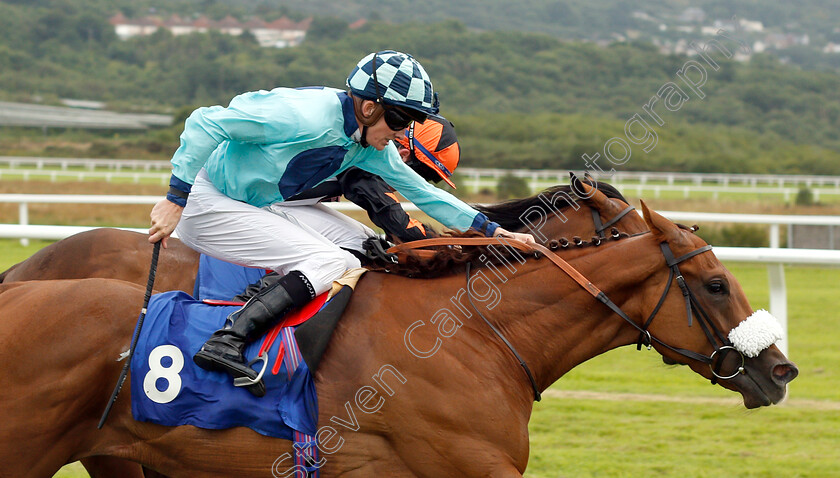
<point x="440" y="400"/>
<point x="110" y="253"/>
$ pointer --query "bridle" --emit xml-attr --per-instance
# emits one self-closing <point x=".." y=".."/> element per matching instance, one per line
<point x="601" y="227"/>
<point x="693" y="307"/>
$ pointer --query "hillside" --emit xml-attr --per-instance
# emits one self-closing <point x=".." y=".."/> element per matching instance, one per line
<point x="803" y="33"/>
<point x="520" y="99"/>
<point x="584" y="18"/>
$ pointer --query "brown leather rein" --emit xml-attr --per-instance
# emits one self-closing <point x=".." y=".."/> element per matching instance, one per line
<point x="488" y="241"/>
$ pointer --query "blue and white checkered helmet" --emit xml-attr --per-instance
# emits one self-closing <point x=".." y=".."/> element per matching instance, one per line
<point x="401" y="79"/>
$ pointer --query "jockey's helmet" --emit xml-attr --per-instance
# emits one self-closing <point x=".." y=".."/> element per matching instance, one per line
<point x="394" y="79"/>
<point x="434" y="148"/>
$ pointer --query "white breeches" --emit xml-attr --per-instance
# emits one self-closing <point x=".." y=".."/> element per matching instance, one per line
<point x="280" y="237"/>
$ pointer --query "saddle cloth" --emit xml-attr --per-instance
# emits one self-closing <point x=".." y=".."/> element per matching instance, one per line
<point x="220" y="280"/>
<point x="169" y="389"/>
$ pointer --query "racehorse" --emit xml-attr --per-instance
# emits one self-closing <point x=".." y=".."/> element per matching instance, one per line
<point x="398" y="395"/>
<point x="111" y="253"/>
<point x="117" y="254"/>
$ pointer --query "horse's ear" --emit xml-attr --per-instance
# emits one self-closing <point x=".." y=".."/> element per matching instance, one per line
<point x="581" y="188"/>
<point x="659" y="225"/>
<point x="594" y="196"/>
<point x="574" y="181"/>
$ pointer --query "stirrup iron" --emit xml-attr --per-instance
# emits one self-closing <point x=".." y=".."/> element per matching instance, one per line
<point x="247" y="382"/>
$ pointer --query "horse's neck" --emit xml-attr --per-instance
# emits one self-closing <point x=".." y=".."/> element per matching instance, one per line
<point x="426" y="328"/>
<point x="555" y="324"/>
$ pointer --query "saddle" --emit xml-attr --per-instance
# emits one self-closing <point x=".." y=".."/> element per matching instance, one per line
<point x="217" y="280"/>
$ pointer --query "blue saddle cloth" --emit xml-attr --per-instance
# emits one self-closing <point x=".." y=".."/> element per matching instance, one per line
<point x="169" y="389"/>
<point x="222" y="280"/>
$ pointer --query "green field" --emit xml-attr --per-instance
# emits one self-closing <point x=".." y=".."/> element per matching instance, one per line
<point x="627" y="414"/>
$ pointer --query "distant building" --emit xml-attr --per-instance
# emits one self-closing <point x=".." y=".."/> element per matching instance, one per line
<point x="831" y="48"/>
<point x="126" y="28"/>
<point x="780" y="41"/>
<point x="728" y="25"/>
<point x="280" y="33"/>
<point x="752" y="26"/>
<point x="638" y="14"/>
<point x="692" y="15"/>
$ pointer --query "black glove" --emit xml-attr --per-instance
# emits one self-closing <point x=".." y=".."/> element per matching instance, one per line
<point x="376" y="250"/>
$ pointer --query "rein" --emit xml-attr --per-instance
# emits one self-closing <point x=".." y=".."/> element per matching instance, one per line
<point x="536" y="249"/>
<point x="645" y="338"/>
<point x="537" y="396"/>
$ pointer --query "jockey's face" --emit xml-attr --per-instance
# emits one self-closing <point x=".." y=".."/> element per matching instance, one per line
<point x="379" y="134"/>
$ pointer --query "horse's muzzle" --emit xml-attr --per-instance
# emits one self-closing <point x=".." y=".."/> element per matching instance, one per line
<point x="766" y="378"/>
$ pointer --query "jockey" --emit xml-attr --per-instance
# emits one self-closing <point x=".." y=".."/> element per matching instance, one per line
<point x="434" y="138"/>
<point x="237" y="165"/>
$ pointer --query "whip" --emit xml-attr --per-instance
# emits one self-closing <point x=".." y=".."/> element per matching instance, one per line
<point x="121" y="380"/>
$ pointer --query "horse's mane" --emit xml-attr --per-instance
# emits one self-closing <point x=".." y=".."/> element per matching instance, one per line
<point x="508" y="214"/>
<point x="448" y="260"/>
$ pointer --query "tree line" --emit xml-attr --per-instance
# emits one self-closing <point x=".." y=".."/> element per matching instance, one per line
<point x="518" y="99"/>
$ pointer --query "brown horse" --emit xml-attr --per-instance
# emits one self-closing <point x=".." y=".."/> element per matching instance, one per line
<point x="118" y="254"/>
<point x="111" y="253"/>
<point x="400" y="394"/>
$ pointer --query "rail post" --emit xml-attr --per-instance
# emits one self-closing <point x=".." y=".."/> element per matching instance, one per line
<point x="23" y="219"/>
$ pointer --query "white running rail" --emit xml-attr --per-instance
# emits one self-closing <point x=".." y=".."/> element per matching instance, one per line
<point x="774" y="257"/>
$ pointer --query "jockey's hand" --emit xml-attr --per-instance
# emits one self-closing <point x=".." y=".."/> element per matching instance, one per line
<point x="165" y="216"/>
<point x="519" y="236"/>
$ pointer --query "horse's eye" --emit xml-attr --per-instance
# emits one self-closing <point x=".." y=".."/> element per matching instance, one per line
<point x="716" y="287"/>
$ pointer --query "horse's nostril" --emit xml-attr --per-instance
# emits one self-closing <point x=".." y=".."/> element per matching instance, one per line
<point x="785" y="372"/>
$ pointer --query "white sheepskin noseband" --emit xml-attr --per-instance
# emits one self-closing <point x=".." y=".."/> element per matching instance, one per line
<point x="756" y="333"/>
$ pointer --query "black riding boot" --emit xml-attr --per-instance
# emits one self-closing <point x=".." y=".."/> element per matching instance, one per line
<point x="223" y="352"/>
